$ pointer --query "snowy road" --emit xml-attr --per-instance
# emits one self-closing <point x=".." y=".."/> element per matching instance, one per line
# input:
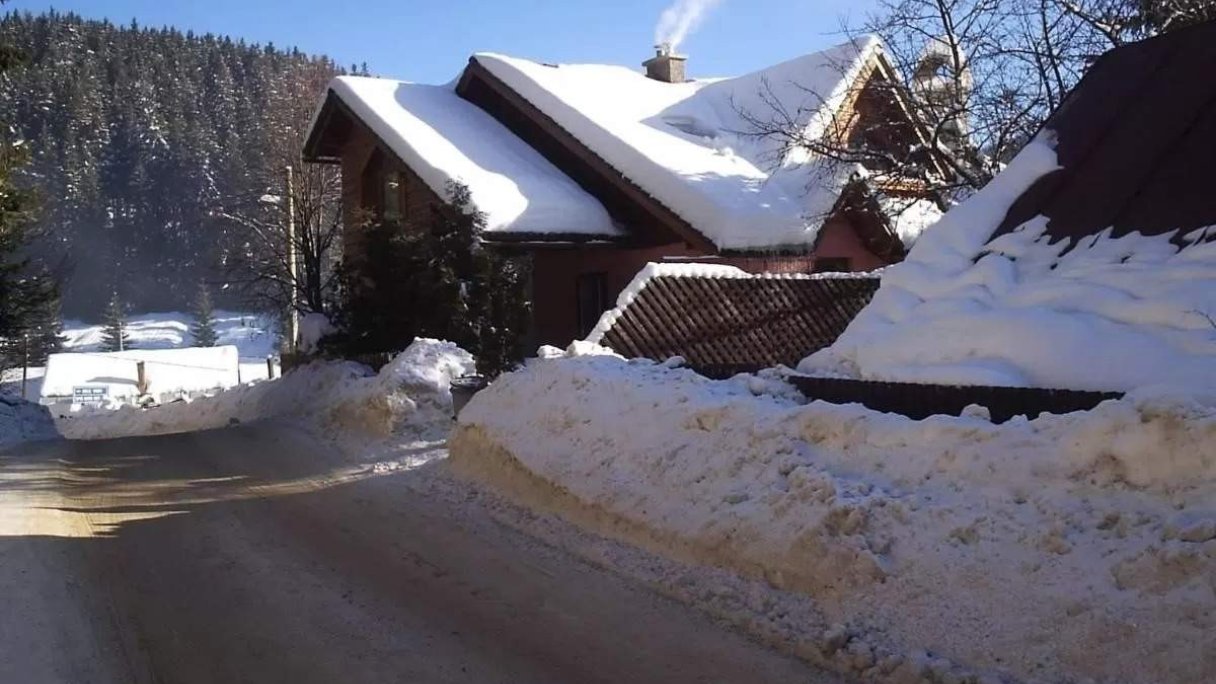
<point x="255" y="554"/>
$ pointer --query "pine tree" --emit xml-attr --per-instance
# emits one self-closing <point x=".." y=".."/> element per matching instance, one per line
<point x="114" y="335"/>
<point x="27" y="292"/>
<point x="438" y="283"/>
<point x="204" y="320"/>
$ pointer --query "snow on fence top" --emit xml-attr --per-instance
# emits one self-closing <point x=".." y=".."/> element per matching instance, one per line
<point x="168" y="371"/>
<point x="444" y="138"/>
<point x="685" y="144"/>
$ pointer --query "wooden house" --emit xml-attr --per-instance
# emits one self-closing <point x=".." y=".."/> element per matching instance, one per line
<point x="597" y="170"/>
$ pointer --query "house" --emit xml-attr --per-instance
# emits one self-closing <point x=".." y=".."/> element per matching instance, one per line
<point x="722" y="320"/>
<point x="1088" y="264"/>
<point x="597" y="170"/>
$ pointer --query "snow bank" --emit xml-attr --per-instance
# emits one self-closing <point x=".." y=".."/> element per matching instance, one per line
<point x="444" y="138"/>
<point x="169" y="373"/>
<point x="1065" y="547"/>
<point x="686" y="144"/>
<point x="409" y="395"/>
<point x="1109" y="314"/>
<point x="22" y="421"/>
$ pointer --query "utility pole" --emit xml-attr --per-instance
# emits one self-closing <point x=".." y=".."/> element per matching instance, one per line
<point x="293" y="323"/>
<point x="25" y="363"/>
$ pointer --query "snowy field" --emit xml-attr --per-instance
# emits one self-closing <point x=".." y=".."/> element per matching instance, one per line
<point x="253" y="335"/>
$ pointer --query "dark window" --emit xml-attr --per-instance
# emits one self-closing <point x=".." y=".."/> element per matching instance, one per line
<point x="383" y="189"/>
<point x="592" y="301"/>
<point x="390" y="195"/>
<point x="832" y="265"/>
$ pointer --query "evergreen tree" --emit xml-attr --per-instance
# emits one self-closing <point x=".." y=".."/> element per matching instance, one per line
<point x="137" y="137"/>
<point x="204" y="320"/>
<point x="28" y="294"/>
<point x="114" y="335"/>
<point x="438" y="283"/>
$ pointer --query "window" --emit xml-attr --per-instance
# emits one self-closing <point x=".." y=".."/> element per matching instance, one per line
<point x="832" y="265"/>
<point x="390" y="196"/>
<point x="592" y="301"/>
<point x="383" y="189"/>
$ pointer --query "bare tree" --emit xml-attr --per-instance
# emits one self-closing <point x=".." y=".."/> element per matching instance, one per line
<point x="256" y="259"/>
<point x="259" y="263"/>
<point x="958" y="86"/>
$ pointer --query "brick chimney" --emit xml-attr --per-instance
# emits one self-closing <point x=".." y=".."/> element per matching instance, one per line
<point x="665" y="66"/>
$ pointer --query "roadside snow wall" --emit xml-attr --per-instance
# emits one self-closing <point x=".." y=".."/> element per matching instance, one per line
<point x="411" y="394"/>
<point x="22" y="421"/>
<point x="1047" y="550"/>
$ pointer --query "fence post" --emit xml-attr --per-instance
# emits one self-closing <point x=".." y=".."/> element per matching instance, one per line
<point x="141" y="382"/>
<point x="270" y="368"/>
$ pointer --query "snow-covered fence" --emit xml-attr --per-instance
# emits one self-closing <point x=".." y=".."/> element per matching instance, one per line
<point x="116" y="377"/>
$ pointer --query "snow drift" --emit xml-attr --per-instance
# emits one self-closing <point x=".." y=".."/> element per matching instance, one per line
<point x="945" y="549"/>
<point x="409" y="395"/>
<point x="22" y="421"/>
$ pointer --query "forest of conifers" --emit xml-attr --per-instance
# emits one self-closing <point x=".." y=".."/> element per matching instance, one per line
<point x="139" y="138"/>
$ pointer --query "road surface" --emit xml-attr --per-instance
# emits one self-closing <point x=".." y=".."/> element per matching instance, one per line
<point x="255" y="554"/>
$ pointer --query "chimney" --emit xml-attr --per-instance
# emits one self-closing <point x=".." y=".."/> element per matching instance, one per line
<point x="666" y="66"/>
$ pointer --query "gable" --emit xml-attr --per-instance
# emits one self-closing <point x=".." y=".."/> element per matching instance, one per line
<point x="444" y="139"/>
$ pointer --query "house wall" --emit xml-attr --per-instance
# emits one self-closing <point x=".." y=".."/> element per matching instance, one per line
<point x="417" y="196"/>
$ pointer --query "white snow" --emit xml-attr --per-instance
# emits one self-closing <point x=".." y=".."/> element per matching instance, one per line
<point x="169" y="373"/>
<point x="687" y="146"/>
<point x="443" y="137"/>
<point x="1057" y="549"/>
<point x="690" y="270"/>
<point x="23" y="421"/>
<point x="410" y="395"/>
<point x="254" y="335"/>
<point x="1111" y="314"/>
<point x="314" y="326"/>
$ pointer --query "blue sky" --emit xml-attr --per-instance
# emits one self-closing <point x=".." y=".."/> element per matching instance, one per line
<point x="431" y="41"/>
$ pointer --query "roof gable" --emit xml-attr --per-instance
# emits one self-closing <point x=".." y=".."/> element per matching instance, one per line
<point x="443" y="138"/>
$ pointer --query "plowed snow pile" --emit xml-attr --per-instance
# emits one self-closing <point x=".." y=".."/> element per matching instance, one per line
<point x="409" y="394"/>
<point x="22" y="421"/>
<point x="949" y="549"/>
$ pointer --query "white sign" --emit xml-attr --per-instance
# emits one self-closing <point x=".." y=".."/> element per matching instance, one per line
<point x="90" y="395"/>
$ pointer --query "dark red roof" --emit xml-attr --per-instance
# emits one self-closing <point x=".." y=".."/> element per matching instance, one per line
<point x="1137" y="143"/>
<point x="737" y="323"/>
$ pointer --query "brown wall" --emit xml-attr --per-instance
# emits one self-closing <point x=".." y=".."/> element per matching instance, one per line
<point x="417" y="196"/>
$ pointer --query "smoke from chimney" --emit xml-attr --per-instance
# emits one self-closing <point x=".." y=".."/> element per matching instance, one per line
<point x="679" y="20"/>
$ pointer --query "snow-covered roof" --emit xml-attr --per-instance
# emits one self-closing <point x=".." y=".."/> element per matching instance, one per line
<point x="444" y="138"/>
<point x="686" y="144"/>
